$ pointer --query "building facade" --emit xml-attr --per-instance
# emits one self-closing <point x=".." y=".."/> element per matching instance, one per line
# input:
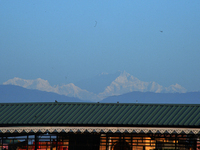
<point x="96" y="126"/>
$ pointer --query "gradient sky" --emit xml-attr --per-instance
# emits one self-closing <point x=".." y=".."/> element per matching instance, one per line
<point x="68" y="40"/>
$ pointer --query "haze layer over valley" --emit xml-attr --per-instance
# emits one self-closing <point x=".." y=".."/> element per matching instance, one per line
<point x="98" y="87"/>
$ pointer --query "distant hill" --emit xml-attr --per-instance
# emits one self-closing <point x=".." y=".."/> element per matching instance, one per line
<point x="150" y="97"/>
<point x="17" y="94"/>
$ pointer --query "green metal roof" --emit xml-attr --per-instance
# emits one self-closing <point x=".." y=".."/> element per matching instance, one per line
<point x="99" y="114"/>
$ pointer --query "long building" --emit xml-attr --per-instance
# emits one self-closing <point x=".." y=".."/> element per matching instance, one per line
<point x="99" y="126"/>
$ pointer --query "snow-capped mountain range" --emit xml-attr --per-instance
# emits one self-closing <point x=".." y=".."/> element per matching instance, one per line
<point x="121" y="83"/>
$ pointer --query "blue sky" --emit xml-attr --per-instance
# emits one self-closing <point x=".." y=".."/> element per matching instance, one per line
<point x="152" y="40"/>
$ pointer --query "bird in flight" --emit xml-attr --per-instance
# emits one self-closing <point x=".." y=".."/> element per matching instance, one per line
<point x="95" y="24"/>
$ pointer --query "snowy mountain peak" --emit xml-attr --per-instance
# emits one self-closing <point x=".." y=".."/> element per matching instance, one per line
<point x="124" y="73"/>
<point x="70" y="89"/>
<point x="18" y="81"/>
<point x="176" y="89"/>
<point x="39" y="84"/>
<point x="126" y="83"/>
<point x="105" y="85"/>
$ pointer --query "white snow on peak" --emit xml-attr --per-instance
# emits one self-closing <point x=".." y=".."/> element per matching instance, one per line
<point x="20" y="82"/>
<point x="43" y="85"/>
<point x="175" y="88"/>
<point x="124" y="83"/>
<point x="38" y="84"/>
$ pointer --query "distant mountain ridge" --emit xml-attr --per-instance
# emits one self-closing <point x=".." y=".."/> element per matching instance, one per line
<point x="159" y="98"/>
<point x="126" y="83"/>
<point x="101" y="86"/>
<point x="43" y="85"/>
<point x="17" y="94"/>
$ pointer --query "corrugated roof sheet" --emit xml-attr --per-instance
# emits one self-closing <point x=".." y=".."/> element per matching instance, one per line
<point x="99" y="114"/>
